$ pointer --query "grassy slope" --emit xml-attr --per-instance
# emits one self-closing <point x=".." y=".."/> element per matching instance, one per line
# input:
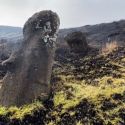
<point x="88" y="90"/>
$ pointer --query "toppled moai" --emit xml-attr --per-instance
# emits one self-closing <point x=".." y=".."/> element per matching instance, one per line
<point x="29" y="68"/>
<point x="77" y="42"/>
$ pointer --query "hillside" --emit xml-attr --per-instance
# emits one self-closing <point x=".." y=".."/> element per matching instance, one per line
<point x="87" y="90"/>
<point x="10" y="33"/>
<point x="100" y="33"/>
<point x="96" y="34"/>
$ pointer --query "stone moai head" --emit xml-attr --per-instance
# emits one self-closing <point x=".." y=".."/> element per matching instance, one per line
<point x="77" y="42"/>
<point x="29" y="69"/>
<point x="44" y="24"/>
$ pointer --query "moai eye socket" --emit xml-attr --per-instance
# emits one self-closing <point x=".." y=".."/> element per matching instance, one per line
<point x="47" y="27"/>
<point x="39" y="24"/>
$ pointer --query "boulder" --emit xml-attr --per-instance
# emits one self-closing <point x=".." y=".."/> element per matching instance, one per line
<point x="29" y="68"/>
<point x="77" y="42"/>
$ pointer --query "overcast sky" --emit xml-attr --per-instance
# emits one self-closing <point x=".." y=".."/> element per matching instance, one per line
<point x="72" y="13"/>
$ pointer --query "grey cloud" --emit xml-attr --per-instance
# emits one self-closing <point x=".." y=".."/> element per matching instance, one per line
<point x="72" y="12"/>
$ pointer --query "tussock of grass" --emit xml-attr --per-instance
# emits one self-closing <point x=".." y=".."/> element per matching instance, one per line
<point x="79" y="123"/>
<point x="3" y="111"/>
<point x="109" y="48"/>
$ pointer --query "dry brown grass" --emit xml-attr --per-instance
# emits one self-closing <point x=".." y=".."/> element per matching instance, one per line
<point x="109" y="48"/>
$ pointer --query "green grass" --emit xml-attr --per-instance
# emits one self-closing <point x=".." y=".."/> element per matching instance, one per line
<point x="107" y="86"/>
<point x="100" y="89"/>
<point x="20" y="113"/>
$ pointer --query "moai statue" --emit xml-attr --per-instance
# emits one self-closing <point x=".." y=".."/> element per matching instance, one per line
<point x="29" y="69"/>
<point x="77" y="42"/>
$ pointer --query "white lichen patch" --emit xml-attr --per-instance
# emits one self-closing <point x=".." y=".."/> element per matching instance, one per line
<point x="45" y="31"/>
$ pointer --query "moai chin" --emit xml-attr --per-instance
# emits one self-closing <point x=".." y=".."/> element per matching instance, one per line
<point x="29" y="69"/>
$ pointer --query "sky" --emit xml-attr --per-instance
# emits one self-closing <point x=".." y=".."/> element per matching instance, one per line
<point x="72" y="13"/>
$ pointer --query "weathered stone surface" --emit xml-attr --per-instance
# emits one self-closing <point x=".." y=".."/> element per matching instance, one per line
<point x="29" y="69"/>
<point x="77" y="42"/>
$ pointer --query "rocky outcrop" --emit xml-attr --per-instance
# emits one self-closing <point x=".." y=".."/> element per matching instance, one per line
<point x="77" y="42"/>
<point x="29" y="68"/>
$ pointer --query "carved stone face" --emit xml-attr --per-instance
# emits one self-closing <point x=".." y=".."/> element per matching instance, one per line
<point x="45" y="33"/>
<point x="46" y="28"/>
<point x="46" y="24"/>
